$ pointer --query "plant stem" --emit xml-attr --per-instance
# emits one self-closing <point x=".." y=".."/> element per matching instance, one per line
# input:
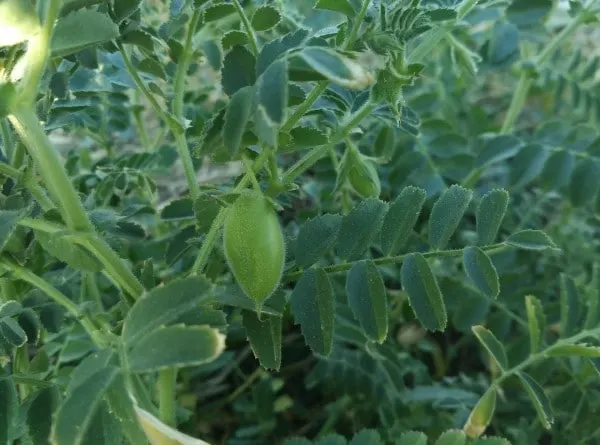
<point x="178" y="108"/>
<point x="24" y="274"/>
<point x="316" y="153"/>
<point x="211" y="236"/>
<point x="50" y="167"/>
<point x="247" y="26"/>
<point x="431" y="39"/>
<point x="464" y="8"/>
<point x="525" y="81"/>
<point x="38" y="52"/>
<point x="322" y="85"/>
<point x="534" y="358"/>
<point x="304" y="106"/>
<point x="357" y="22"/>
<point x="166" y="396"/>
<point x="113" y="265"/>
<point x="343" y="267"/>
<point x="30" y="184"/>
<point x="173" y="125"/>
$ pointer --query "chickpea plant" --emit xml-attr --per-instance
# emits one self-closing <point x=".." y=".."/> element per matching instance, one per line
<point x="403" y="248"/>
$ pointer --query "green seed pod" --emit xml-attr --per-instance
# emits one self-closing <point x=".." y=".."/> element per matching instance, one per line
<point x="363" y="177"/>
<point x="254" y="246"/>
<point x="18" y="21"/>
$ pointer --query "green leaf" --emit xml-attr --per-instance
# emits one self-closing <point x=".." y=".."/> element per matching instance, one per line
<point x="574" y="350"/>
<point x="401" y="218"/>
<point x="232" y="38"/>
<point x="498" y="149"/>
<point x="312" y="304"/>
<point x="239" y="110"/>
<point x="585" y="182"/>
<point x="366" y="437"/>
<point x="31" y="324"/>
<point x="481" y="271"/>
<point x="80" y="30"/>
<point x="592" y="302"/>
<point x="557" y="170"/>
<point x="452" y="437"/>
<point x="9" y="408"/>
<point x="525" y="13"/>
<point x="368" y="299"/>
<point x="315" y="238"/>
<point x="538" y="398"/>
<point x="18" y="22"/>
<point x="570" y="306"/>
<point x="341" y="6"/>
<point x="531" y="240"/>
<point x="493" y="346"/>
<point x="10" y="309"/>
<point x="359" y="228"/>
<point x="482" y="414"/>
<point x="273" y="91"/>
<point x="423" y="292"/>
<point x="218" y="11"/>
<point x="123" y="9"/>
<point x="164" y="305"/>
<point x="264" y="334"/>
<point x="122" y="407"/>
<point x="536" y="322"/>
<point x="9" y="220"/>
<point x="181" y="209"/>
<point x="77" y="411"/>
<point x="8" y="94"/>
<point x="88" y="367"/>
<point x="336" y="67"/>
<point x="206" y="208"/>
<point x="489" y="217"/>
<point x="332" y="439"/>
<point x="238" y="70"/>
<point x="42" y="406"/>
<point x="62" y="248"/>
<point x="308" y="137"/>
<point x="12" y="332"/>
<point x="412" y="438"/>
<point x="527" y="165"/>
<point x="446" y="215"/>
<point x="265" y="17"/>
<point x="175" y="346"/>
<point x="491" y="440"/>
<point x="297" y="441"/>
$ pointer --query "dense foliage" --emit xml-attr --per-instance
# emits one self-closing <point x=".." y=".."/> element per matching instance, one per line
<point x="280" y="221"/>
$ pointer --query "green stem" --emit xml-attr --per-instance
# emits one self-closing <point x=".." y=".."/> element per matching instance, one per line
<point x="38" y="52"/>
<point x="464" y="8"/>
<point x="24" y="274"/>
<point x="304" y="106"/>
<point x="343" y="267"/>
<point x="322" y="85"/>
<point x="141" y="129"/>
<point x="247" y="26"/>
<point x="166" y="396"/>
<point x="50" y="167"/>
<point x="316" y="153"/>
<point x="211" y="236"/>
<point x="18" y="158"/>
<point x="30" y="184"/>
<point x="542" y="355"/>
<point x="172" y="123"/>
<point x="113" y="265"/>
<point x="178" y="108"/>
<point x="525" y="81"/>
<point x="357" y="23"/>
